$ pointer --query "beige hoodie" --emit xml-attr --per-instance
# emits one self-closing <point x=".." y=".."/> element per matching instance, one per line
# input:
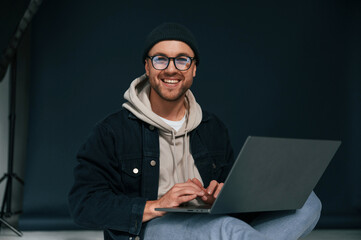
<point x="176" y="161"/>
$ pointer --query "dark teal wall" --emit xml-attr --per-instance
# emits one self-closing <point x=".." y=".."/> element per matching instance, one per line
<point x="282" y="69"/>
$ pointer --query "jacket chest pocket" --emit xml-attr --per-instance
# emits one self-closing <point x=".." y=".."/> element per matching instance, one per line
<point x="131" y="172"/>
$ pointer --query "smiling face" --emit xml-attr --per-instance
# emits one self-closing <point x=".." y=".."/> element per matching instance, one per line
<point x="169" y="84"/>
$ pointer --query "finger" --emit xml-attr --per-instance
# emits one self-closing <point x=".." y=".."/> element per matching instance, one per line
<point x="186" y="198"/>
<point x="212" y="186"/>
<point x="190" y="191"/>
<point x="197" y="182"/>
<point x="187" y="184"/>
<point x="218" y="190"/>
<point x="204" y="198"/>
<point x="186" y="190"/>
<point x="173" y="199"/>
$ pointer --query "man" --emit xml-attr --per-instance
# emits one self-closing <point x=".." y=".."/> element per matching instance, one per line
<point x="162" y="150"/>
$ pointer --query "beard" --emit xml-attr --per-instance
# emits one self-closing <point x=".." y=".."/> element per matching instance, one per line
<point x="168" y="94"/>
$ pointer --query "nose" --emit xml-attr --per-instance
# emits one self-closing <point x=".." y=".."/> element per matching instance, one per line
<point x="171" y="66"/>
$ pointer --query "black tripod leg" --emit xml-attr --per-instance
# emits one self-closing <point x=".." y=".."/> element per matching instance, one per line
<point x="2" y="220"/>
<point x="11" y="227"/>
<point x="19" y="179"/>
<point x="4" y="200"/>
<point x="3" y="178"/>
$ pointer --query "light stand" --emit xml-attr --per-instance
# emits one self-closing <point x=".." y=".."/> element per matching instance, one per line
<point x="9" y="176"/>
<point x="9" y="55"/>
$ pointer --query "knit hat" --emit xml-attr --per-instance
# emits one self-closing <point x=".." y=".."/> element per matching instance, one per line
<point x="171" y="31"/>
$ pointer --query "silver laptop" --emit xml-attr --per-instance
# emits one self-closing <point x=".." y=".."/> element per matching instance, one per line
<point x="270" y="174"/>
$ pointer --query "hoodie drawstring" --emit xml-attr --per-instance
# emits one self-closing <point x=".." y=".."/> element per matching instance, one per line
<point x="174" y="158"/>
<point x="186" y="151"/>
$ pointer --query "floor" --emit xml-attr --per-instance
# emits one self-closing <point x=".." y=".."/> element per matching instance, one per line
<point x="96" y="235"/>
<point x="334" y="235"/>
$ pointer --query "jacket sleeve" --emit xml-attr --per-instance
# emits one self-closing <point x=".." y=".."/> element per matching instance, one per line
<point x="96" y="199"/>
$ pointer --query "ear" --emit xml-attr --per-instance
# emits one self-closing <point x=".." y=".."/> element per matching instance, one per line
<point x="146" y="66"/>
<point x="194" y="70"/>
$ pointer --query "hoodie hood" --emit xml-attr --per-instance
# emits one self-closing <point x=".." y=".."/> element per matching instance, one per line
<point x="138" y="103"/>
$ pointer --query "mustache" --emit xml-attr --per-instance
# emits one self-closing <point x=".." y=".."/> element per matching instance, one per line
<point x="177" y="75"/>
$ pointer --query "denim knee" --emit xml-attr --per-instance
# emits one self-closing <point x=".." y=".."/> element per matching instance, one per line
<point x="313" y="204"/>
<point x="313" y="207"/>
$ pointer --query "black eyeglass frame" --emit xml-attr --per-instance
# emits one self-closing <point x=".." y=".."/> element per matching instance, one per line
<point x="171" y="58"/>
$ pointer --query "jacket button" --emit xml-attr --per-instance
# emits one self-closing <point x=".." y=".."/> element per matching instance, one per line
<point x="153" y="163"/>
<point x="151" y="127"/>
<point x="135" y="170"/>
<point x="137" y="238"/>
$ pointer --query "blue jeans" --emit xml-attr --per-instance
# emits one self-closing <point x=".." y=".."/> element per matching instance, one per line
<point x="283" y="225"/>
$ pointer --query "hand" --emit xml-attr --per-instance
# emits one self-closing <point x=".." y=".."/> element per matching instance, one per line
<point x="212" y="190"/>
<point x="178" y="194"/>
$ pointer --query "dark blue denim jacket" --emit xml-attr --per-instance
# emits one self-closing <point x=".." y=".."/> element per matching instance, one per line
<point x="115" y="177"/>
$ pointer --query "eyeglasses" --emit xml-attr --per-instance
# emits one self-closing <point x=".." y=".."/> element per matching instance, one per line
<point x="182" y="63"/>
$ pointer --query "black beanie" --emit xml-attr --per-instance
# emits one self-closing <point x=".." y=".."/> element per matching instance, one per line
<point x="171" y="31"/>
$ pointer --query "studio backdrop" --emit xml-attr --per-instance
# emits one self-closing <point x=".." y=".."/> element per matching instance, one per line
<point x="278" y="69"/>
